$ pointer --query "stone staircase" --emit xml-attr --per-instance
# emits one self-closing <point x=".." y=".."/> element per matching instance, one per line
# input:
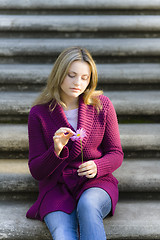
<point x="124" y="39"/>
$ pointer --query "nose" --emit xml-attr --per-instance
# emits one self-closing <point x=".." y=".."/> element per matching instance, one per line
<point x="77" y="81"/>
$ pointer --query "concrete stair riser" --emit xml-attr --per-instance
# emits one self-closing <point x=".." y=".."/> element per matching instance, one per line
<point x="135" y="175"/>
<point x="103" y="50"/>
<point x="131" y="103"/>
<point x="89" y="23"/>
<point x="134" y="137"/>
<point x="26" y="77"/>
<point x="121" y="226"/>
<point x="98" y="47"/>
<point x="131" y="106"/>
<point x="90" y="4"/>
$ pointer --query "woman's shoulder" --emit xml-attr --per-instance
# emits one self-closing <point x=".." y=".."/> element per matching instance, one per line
<point x="39" y="109"/>
<point x="105" y="101"/>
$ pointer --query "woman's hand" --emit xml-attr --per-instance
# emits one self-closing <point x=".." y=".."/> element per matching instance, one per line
<point x="88" y="169"/>
<point x="61" y="138"/>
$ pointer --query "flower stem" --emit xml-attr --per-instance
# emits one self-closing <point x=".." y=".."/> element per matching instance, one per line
<point x="81" y="150"/>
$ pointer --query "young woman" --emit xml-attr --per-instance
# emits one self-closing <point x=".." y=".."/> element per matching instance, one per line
<point x="74" y="197"/>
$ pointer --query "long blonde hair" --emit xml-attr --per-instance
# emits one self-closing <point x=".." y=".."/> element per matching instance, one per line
<point x="51" y="92"/>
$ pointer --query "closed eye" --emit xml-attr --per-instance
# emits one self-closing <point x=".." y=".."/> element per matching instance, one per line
<point x="85" y="77"/>
<point x="71" y="75"/>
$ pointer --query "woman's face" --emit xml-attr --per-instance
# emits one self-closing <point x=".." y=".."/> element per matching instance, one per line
<point x="76" y="81"/>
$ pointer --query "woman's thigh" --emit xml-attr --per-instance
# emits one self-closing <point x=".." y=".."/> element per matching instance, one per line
<point x="95" y="198"/>
<point x="62" y="225"/>
<point x="94" y="205"/>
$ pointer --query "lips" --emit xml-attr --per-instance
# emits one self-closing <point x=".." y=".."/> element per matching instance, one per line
<point x="75" y="89"/>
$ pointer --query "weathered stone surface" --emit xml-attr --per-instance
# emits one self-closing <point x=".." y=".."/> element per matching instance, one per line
<point x="135" y="175"/>
<point x="14" y="137"/>
<point x="134" y="220"/>
<point x="97" y="47"/>
<point x="140" y="136"/>
<point x="31" y="74"/>
<point x="14" y="224"/>
<point x="73" y="4"/>
<point x="125" y="102"/>
<point x="14" y="166"/>
<point x="127" y="223"/>
<point x="24" y="74"/>
<point x="17" y="183"/>
<point x="15" y="177"/>
<point x="139" y="175"/>
<point x="67" y="23"/>
<point x="16" y="102"/>
<point x="135" y="102"/>
<point x="134" y="73"/>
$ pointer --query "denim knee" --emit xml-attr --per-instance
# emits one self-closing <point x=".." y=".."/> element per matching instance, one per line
<point x="62" y="225"/>
<point x="94" y="202"/>
<point x="87" y="206"/>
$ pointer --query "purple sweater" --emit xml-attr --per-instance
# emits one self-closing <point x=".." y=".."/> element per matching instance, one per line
<point x="59" y="184"/>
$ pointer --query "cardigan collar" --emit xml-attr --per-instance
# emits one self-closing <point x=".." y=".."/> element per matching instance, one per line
<point x="85" y="121"/>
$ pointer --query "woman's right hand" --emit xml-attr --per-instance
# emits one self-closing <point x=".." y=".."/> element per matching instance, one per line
<point x="61" y="138"/>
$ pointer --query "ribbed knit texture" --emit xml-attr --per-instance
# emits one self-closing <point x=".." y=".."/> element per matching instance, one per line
<point x="59" y="184"/>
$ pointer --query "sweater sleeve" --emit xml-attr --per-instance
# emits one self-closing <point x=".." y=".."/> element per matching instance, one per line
<point x="111" y="145"/>
<point x="43" y="161"/>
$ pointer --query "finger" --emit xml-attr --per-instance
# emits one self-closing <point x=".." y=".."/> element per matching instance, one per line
<point x="66" y="130"/>
<point x="56" y="136"/>
<point x="86" y="167"/>
<point x="59" y="133"/>
<point x="91" y="175"/>
<point x="82" y="173"/>
<point x="88" y="163"/>
<point x="87" y="172"/>
<point x="69" y="134"/>
<point x="83" y="168"/>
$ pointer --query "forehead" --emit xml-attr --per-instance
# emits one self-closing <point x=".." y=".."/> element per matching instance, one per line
<point x="80" y="67"/>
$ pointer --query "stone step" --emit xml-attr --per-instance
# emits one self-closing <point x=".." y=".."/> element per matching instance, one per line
<point x="15" y="177"/>
<point x="97" y="47"/>
<point x="126" y="103"/>
<point x="139" y="175"/>
<point x="25" y="76"/>
<point x="71" y="4"/>
<point x="134" y="176"/>
<point x="135" y="102"/>
<point x="132" y="220"/>
<point x="89" y="23"/>
<point x="134" y="137"/>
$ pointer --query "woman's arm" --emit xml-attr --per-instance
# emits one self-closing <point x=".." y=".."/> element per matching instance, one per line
<point x="111" y="145"/>
<point x="43" y="161"/>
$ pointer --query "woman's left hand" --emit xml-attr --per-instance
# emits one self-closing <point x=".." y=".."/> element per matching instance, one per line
<point x="88" y="169"/>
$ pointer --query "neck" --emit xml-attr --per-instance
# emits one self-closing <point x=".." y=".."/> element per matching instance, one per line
<point x="71" y="104"/>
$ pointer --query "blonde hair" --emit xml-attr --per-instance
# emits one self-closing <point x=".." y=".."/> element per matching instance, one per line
<point x="51" y="92"/>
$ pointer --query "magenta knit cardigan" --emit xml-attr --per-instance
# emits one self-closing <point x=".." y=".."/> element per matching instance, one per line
<point x="59" y="184"/>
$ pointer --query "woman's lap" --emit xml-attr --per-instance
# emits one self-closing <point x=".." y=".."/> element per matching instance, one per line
<point x="93" y="205"/>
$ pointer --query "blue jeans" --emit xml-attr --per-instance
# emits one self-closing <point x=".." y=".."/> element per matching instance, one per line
<point x="93" y="206"/>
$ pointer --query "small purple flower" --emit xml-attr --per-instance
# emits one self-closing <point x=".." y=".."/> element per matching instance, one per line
<point x="79" y="135"/>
